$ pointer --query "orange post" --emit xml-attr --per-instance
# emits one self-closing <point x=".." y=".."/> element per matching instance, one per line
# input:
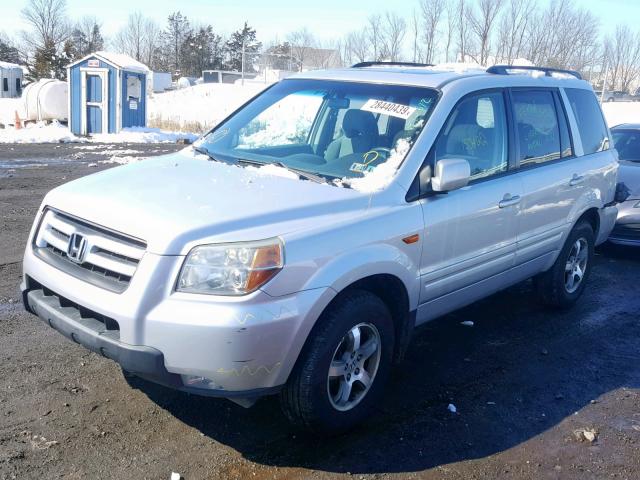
<point x="18" y="123"/>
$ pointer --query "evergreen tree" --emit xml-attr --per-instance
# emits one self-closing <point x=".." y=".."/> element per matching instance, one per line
<point x="8" y="53"/>
<point x="280" y="56"/>
<point x="246" y="37"/>
<point x="178" y="29"/>
<point x="201" y="50"/>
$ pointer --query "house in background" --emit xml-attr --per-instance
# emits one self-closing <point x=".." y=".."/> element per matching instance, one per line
<point x="11" y="76"/>
<point x="107" y="92"/>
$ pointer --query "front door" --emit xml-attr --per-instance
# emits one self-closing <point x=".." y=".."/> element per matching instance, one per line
<point x="470" y="234"/>
<point x="95" y="95"/>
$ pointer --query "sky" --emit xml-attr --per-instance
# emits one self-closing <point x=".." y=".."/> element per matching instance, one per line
<point x="328" y="19"/>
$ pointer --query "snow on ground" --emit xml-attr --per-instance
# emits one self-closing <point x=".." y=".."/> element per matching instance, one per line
<point x="58" y="133"/>
<point x="39" y="133"/>
<point x="621" y="112"/>
<point x="201" y="106"/>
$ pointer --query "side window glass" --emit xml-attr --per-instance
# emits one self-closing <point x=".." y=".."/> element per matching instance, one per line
<point x="537" y="127"/>
<point x="477" y="132"/>
<point x="593" y="131"/>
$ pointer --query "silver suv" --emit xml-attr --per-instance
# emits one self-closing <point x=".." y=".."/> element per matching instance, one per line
<point x="294" y="248"/>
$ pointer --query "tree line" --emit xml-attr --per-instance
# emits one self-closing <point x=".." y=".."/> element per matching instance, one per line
<point x="52" y="42"/>
<point x="559" y="34"/>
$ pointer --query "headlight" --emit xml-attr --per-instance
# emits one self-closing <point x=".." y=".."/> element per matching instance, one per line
<point x="232" y="268"/>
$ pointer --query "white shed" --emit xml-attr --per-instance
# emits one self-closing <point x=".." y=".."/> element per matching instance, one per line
<point x="10" y="80"/>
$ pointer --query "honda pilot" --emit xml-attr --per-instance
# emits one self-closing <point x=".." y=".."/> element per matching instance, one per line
<point x="293" y="249"/>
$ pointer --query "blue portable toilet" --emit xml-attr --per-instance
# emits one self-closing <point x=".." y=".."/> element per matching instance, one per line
<point x="107" y="92"/>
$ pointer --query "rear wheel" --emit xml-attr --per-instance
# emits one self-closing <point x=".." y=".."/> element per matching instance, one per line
<point x="563" y="284"/>
<point x="342" y="370"/>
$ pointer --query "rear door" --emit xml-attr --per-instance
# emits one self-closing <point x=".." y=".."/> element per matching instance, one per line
<point x="470" y="233"/>
<point x="549" y="170"/>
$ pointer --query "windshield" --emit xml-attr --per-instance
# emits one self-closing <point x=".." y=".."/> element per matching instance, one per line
<point x="332" y="129"/>
<point x="627" y="142"/>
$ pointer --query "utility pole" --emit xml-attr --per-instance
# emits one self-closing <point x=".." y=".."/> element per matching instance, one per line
<point x="604" y="84"/>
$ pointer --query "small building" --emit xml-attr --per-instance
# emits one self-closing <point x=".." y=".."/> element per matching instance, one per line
<point x="224" y="76"/>
<point x="10" y="80"/>
<point x="160" y="81"/>
<point x="107" y="92"/>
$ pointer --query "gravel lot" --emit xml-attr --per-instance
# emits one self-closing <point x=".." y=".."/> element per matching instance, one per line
<point x="531" y="387"/>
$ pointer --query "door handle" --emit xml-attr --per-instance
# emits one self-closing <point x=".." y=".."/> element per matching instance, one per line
<point x="509" y="200"/>
<point x="576" y="180"/>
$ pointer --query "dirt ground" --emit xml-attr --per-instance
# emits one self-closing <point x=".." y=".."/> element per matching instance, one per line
<point x="532" y="388"/>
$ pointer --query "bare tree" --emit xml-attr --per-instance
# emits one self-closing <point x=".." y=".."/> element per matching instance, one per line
<point x="140" y="38"/>
<point x="374" y="36"/>
<point x="130" y="39"/>
<point x="482" y="22"/>
<point x="357" y="45"/>
<point x="462" y="30"/>
<point x="623" y="55"/>
<point x="394" y="29"/>
<point x="48" y="20"/>
<point x="563" y="35"/>
<point x="302" y="43"/>
<point x="513" y="30"/>
<point x="415" y="32"/>
<point x="432" y="11"/>
<point x="450" y="8"/>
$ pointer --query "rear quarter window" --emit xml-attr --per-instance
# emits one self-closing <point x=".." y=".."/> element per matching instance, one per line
<point x="593" y="130"/>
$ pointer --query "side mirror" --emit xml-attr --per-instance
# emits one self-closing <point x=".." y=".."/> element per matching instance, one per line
<point x="450" y="174"/>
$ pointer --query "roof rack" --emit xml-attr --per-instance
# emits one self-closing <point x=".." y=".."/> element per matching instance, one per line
<point x="504" y="70"/>
<point x="390" y="64"/>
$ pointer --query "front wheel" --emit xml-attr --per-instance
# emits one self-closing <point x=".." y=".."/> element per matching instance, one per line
<point x="342" y="369"/>
<point x="562" y="284"/>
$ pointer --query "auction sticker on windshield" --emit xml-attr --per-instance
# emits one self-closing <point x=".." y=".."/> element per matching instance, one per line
<point x="388" y="108"/>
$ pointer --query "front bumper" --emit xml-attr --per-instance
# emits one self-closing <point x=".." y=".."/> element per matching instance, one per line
<point x="228" y="347"/>
<point x="627" y="227"/>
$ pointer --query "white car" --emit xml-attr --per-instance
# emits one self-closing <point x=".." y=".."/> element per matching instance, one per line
<point x="296" y="246"/>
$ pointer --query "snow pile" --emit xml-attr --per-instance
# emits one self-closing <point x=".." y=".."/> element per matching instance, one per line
<point x="621" y="112"/>
<point x="56" y="133"/>
<point x="8" y="109"/>
<point x="121" y="160"/>
<point x="143" y="135"/>
<point x="39" y="133"/>
<point x="202" y="106"/>
<point x="274" y="171"/>
<point x="381" y="175"/>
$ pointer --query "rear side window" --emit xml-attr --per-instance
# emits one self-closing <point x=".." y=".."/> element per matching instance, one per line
<point x="5" y="84"/>
<point x="593" y="131"/>
<point x="542" y="133"/>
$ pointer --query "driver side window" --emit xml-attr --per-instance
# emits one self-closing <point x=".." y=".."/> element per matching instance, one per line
<point x="477" y="132"/>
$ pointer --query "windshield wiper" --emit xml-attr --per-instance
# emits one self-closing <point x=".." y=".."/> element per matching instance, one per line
<point x="206" y="152"/>
<point x="301" y="173"/>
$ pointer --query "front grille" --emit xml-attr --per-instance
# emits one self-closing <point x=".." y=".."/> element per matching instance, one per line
<point x="107" y="259"/>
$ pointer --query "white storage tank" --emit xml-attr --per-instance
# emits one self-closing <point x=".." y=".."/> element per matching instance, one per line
<point x="46" y="99"/>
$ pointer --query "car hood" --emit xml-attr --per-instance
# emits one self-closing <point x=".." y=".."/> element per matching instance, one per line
<point x="177" y="201"/>
<point x="629" y="174"/>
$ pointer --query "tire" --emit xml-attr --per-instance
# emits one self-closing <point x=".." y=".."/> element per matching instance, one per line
<point x="312" y="399"/>
<point x="554" y="286"/>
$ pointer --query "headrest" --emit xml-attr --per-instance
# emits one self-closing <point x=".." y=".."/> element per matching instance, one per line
<point x="359" y="122"/>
